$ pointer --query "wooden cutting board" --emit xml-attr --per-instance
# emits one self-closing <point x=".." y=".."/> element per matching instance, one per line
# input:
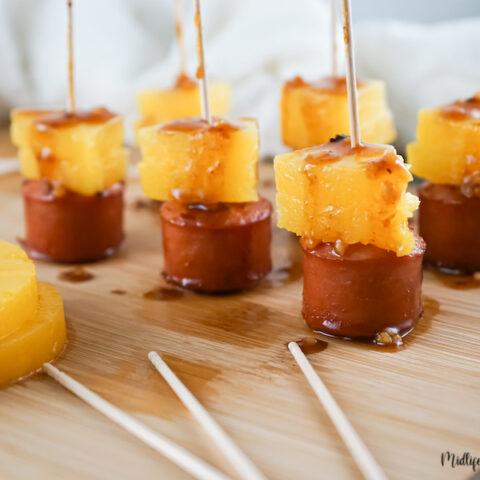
<point x="230" y="350"/>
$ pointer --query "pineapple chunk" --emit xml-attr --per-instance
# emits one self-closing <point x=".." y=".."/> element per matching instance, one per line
<point x="158" y="106"/>
<point x="448" y="142"/>
<point x="333" y="192"/>
<point x="194" y="162"/>
<point x="39" y="340"/>
<point x="83" y="151"/>
<point x="312" y="113"/>
<point x="18" y="289"/>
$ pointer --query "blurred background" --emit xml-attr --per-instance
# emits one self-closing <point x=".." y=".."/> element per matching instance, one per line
<point x="427" y="52"/>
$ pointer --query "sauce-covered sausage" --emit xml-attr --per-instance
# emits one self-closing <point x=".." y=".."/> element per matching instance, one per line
<point x="216" y="248"/>
<point x="63" y="226"/>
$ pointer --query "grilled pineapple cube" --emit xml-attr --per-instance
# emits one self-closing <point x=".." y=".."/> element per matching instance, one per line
<point x="193" y="161"/>
<point x="448" y="142"/>
<point x="355" y="195"/>
<point x="312" y="113"/>
<point x="83" y="151"/>
<point x="18" y="288"/>
<point x="40" y="339"/>
<point x="158" y="106"/>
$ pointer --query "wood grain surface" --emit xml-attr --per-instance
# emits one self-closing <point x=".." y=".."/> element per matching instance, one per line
<point x="230" y="350"/>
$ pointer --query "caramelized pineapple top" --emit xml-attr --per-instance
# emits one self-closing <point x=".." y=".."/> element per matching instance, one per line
<point x="198" y="125"/>
<point x="463" y="109"/>
<point x="59" y="120"/>
<point x="327" y="84"/>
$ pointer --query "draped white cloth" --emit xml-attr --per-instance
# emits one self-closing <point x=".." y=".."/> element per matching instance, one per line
<point x="122" y="46"/>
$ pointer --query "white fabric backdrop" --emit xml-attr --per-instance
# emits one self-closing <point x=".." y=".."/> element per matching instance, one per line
<point x="124" y="45"/>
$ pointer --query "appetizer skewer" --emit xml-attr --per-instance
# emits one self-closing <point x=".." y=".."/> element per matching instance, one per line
<point x="314" y="112"/>
<point x="348" y="201"/>
<point x="244" y="466"/>
<point x="178" y="455"/>
<point x="216" y="231"/>
<point x="447" y="155"/>
<point x="74" y="163"/>
<point x="160" y="105"/>
<point x="364" y="459"/>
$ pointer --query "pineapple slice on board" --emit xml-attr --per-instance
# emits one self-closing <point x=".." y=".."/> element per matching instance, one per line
<point x="39" y="340"/>
<point x="18" y="289"/>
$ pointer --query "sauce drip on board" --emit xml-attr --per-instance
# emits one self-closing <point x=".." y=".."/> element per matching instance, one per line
<point x="163" y="294"/>
<point x="311" y="345"/>
<point x="330" y="84"/>
<point x="76" y="275"/>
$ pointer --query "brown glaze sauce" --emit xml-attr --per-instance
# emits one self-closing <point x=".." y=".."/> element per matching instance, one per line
<point x="163" y="294"/>
<point x="118" y="291"/>
<point x="146" y="204"/>
<point x="459" y="282"/>
<point x="184" y="82"/>
<point x="76" y="275"/>
<point x="194" y="124"/>
<point x="462" y="109"/>
<point x="200" y="74"/>
<point x="380" y="158"/>
<point x="57" y="120"/>
<point x="311" y="345"/>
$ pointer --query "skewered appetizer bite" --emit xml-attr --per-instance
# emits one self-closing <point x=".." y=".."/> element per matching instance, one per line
<point x="447" y="155"/>
<point x="362" y="265"/>
<point x="312" y="113"/>
<point x="32" y="323"/>
<point x="216" y="230"/>
<point x="74" y="165"/>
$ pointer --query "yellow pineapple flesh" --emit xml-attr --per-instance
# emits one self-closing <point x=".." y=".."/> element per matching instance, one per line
<point x="159" y="105"/>
<point x="192" y="161"/>
<point x="448" y="142"/>
<point x="312" y="113"/>
<point x="355" y="195"/>
<point x="39" y="340"/>
<point x="82" y="151"/>
<point x="18" y="289"/>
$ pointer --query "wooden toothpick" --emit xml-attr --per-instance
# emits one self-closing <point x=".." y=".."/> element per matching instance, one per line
<point x="245" y="468"/>
<point x="333" y="33"/>
<point x="362" y="456"/>
<point x="351" y="75"/>
<point x="178" y="455"/>
<point x="180" y="37"/>
<point x="201" y="74"/>
<point x="71" y="86"/>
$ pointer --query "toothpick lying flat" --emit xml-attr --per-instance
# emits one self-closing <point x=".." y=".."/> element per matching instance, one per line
<point x="246" y="469"/>
<point x="351" y="75"/>
<point x="71" y="87"/>
<point x="201" y="75"/>
<point x="179" y="34"/>
<point x="333" y="33"/>
<point x="364" y="459"/>
<point x="181" y="457"/>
